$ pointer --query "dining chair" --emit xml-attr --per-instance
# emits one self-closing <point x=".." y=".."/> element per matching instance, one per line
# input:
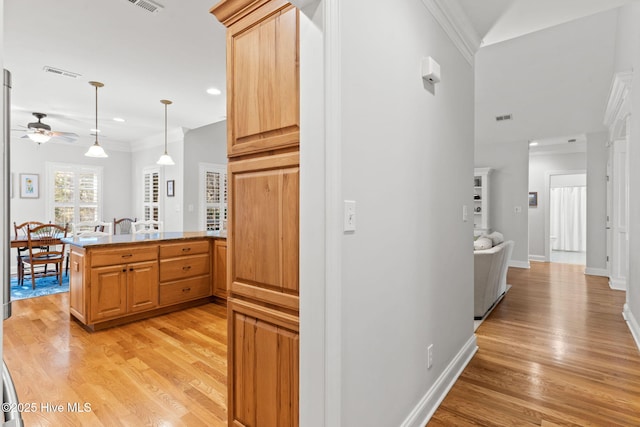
<point x="45" y="247"/>
<point x="21" y="234"/>
<point x="149" y="226"/>
<point x="91" y="226"/>
<point x="123" y="225"/>
<point x="90" y="233"/>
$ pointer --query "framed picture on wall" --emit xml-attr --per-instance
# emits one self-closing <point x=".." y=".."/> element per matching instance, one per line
<point x="29" y="186"/>
<point x="171" y="188"/>
<point x="533" y="199"/>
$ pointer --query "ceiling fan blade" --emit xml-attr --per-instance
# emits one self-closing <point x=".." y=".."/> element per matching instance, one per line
<point x="65" y="138"/>
<point x="64" y="134"/>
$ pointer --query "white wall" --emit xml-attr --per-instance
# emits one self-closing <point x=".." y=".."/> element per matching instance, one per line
<point x="630" y="32"/>
<point x="407" y="161"/>
<point x="171" y="208"/>
<point x="509" y="189"/>
<point x="206" y="144"/>
<point x="28" y="157"/>
<point x="539" y="167"/>
<point x="596" y="203"/>
<point x="555" y="82"/>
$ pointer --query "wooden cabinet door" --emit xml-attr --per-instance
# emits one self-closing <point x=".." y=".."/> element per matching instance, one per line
<point x="263" y="80"/>
<point x="220" y="268"/>
<point x="142" y="286"/>
<point x="263" y="348"/>
<point x="264" y="197"/>
<point x="108" y="292"/>
<point x="76" y="285"/>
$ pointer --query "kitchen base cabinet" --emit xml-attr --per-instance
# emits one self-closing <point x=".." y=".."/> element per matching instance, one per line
<point x="111" y="284"/>
<point x="220" y="268"/>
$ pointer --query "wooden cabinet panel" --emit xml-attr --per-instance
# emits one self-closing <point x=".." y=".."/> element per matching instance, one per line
<point x="220" y="268"/>
<point x="123" y="255"/>
<point x="184" y="248"/>
<point x="263" y="82"/>
<point x="108" y="292"/>
<point x="184" y="290"/>
<point x="142" y="286"/>
<point x="264" y="364"/>
<point x="265" y="223"/>
<point x="184" y="267"/>
<point x="77" y="303"/>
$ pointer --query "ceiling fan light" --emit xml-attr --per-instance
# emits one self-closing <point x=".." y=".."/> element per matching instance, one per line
<point x="39" y="137"/>
<point x="165" y="160"/>
<point x="96" y="151"/>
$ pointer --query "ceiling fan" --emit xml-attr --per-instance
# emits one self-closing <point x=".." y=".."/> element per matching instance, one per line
<point x="41" y="132"/>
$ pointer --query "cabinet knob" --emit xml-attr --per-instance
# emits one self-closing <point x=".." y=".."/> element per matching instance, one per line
<point x="124" y="270"/>
<point x="186" y="249"/>
<point x="186" y="268"/>
<point x="131" y="269"/>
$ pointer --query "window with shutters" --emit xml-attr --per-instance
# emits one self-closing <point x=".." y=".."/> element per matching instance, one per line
<point x="74" y="193"/>
<point x="151" y="193"/>
<point x="213" y="196"/>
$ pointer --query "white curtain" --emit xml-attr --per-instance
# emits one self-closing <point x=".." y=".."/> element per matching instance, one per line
<point x="569" y="219"/>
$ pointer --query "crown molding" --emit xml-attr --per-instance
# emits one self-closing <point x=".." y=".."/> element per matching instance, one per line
<point x="456" y="24"/>
<point x="619" y="104"/>
<point x="173" y="135"/>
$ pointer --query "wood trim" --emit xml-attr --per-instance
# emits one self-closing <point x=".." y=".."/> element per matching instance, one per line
<point x="265" y="163"/>
<point x="632" y="323"/>
<point x="266" y="314"/>
<point x="230" y="11"/>
<point x="272" y="297"/>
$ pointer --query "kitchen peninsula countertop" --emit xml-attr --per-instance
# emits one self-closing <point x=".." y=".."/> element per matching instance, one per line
<point x="127" y="239"/>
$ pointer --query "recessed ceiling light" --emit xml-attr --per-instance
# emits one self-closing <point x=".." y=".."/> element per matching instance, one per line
<point x="118" y="119"/>
<point x="533" y="143"/>
<point x="213" y="91"/>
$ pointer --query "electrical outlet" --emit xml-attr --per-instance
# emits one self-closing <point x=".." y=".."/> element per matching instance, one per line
<point x="430" y="356"/>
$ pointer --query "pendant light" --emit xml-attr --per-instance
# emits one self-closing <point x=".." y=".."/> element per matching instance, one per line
<point x="96" y="150"/>
<point x="165" y="159"/>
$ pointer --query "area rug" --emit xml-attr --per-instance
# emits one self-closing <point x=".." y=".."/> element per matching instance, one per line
<point x="44" y="286"/>
<point x="477" y="323"/>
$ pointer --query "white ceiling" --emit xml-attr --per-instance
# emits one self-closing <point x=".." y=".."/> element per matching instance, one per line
<point x="140" y="57"/>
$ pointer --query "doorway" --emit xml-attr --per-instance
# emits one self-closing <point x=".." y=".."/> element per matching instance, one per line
<point x="568" y="218"/>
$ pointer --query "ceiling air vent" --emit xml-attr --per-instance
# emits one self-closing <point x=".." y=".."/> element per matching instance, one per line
<point x="505" y="117"/>
<point x="60" y="72"/>
<point x="148" y="5"/>
<point x="572" y="140"/>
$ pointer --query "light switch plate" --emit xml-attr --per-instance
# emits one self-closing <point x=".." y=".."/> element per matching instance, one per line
<point x="349" y="215"/>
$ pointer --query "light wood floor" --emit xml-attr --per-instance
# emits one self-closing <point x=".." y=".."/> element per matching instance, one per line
<point x="556" y="351"/>
<point x="167" y="371"/>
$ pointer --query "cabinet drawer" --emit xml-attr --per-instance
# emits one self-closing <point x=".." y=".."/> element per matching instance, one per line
<point x="184" y="267"/>
<point x="124" y="255"/>
<point x="184" y="290"/>
<point x="184" y="248"/>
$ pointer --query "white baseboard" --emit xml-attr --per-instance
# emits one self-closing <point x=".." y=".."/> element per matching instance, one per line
<point x="596" y="272"/>
<point x="633" y="324"/>
<point x="427" y="406"/>
<point x="618" y="284"/>
<point x="538" y="258"/>
<point x="519" y="264"/>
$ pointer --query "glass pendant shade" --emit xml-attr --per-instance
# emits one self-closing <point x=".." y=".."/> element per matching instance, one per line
<point x="165" y="159"/>
<point x="96" y="150"/>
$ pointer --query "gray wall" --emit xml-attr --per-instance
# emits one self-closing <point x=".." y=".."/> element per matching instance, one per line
<point x="407" y="161"/>
<point x="207" y="144"/>
<point x="539" y="167"/>
<point x="596" y="203"/>
<point x="509" y="189"/>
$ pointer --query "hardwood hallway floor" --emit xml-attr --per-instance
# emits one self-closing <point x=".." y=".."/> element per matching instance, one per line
<point x="170" y="370"/>
<point x="555" y="351"/>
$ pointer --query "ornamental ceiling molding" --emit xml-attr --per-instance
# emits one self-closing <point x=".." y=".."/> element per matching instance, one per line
<point x="619" y="104"/>
<point x="456" y="25"/>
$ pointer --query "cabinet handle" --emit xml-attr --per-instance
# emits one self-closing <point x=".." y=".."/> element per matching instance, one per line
<point x="131" y="269"/>
<point x="124" y="270"/>
<point x="186" y="289"/>
<point x="186" y="249"/>
<point x="186" y="268"/>
<point x="127" y="256"/>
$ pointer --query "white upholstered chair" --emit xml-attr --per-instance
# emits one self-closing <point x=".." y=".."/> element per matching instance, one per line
<point x="84" y="226"/>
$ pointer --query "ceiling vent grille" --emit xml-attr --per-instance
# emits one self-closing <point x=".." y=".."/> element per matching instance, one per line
<point x="60" y="72"/>
<point x="572" y="140"/>
<point x="148" y="5"/>
<point x="505" y="117"/>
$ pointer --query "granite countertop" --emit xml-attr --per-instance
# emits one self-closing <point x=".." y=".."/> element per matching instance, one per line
<point x="123" y="239"/>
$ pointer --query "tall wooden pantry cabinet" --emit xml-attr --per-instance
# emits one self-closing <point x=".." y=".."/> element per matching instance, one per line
<point x="263" y="227"/>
